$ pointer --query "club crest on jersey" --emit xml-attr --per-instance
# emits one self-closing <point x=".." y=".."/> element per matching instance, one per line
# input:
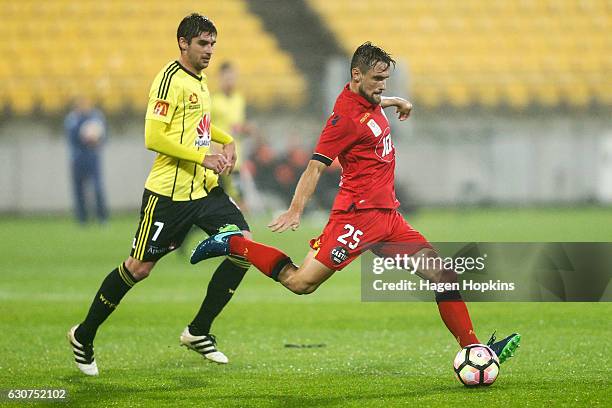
<point x="374" y="127"/>
<point x="193" y="101"/>
<point x="161" y="108"/>
<point x="203" y="130"/>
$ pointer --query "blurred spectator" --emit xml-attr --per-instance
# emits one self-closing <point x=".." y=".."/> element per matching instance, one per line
<point x="262" y="163"/>
<point x="279" y="174"/>
<point x="86" y="131"/>
<point x="328" y="185"/>
<point x="228" y="112"/>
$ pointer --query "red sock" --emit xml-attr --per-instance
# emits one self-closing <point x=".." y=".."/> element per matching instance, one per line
<point x="269" y="260"/>
<point x="455" y="315"/>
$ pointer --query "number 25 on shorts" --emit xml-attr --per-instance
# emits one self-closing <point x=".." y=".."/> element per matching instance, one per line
<point x="353" y="235"/>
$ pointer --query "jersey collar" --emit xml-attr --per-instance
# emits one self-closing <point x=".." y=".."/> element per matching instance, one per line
<point x="347" y="93"/>
<point x="199" y="78"/>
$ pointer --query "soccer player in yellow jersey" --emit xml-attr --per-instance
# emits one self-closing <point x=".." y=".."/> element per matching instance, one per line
<point x="181" y="191"/>
<point x="229" y="105"/>
<point x="229" y="113"/>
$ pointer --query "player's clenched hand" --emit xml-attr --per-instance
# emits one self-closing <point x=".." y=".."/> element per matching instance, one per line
<point x="403" y="108"/>
<point x="288" y="219"/>
<point x="229" y="151"/>
<point x="215" y="162"/>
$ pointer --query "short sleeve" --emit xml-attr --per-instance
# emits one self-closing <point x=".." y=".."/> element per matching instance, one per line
<point x="163" y="99"/>
<point x="338" y="135"/>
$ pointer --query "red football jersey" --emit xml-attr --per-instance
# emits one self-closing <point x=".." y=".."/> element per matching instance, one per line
<point x="358" y="134"/>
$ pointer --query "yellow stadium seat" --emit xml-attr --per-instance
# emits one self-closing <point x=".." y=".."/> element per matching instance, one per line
<point x="515" y="53"/>
<point x="4" y="99"/>
<point x="458" y="94"/>
<point x="488" y="95"/>
<point x="576" y="94"/>
<point x="52" y="100"/>
<point x="95" y="45"/>
<point x="516" y="94"/>
<point x="546" y="93"/>
<point x="110" y="103"/>
<point x="22" y="102"/>
<point x="459" y="53"/>
<point x="603" y="94"/>
<point x="428" y="96"/>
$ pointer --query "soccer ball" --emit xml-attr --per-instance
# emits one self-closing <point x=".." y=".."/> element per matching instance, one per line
<point x="476" y="365"/>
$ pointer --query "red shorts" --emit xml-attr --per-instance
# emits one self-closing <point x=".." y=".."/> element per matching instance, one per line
<point x="349" y="233"/>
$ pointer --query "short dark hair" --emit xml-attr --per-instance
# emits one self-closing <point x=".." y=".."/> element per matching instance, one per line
<point x="193" y="25"/>
<point x="226" y="65"/>
<point x="367" y="55"/>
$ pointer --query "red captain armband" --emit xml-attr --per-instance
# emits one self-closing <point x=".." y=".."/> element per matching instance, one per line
<point x="322" y="158"/>
<point x="161" y="108"/>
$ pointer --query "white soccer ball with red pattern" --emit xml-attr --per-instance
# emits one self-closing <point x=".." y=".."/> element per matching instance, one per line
<point x="476" y="365"/>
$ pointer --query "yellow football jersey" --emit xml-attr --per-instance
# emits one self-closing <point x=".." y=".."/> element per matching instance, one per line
<point x="181" y="99"/>
<point x="227" y="112"/>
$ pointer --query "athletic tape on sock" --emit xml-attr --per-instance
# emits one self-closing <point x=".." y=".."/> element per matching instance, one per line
<point x="279" y="267"/>
<point x="448" y="295"/>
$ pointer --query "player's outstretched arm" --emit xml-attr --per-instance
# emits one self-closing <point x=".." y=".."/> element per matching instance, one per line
<point x="403" y="106"/>
<point x="156" y="140"/>
<point x="305" y="187"/>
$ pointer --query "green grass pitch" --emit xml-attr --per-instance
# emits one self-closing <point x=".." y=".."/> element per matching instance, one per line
<point x="376" y="354"/>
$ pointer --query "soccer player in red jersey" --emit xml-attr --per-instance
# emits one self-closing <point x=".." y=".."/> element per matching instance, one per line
<point x="364" y="215"/>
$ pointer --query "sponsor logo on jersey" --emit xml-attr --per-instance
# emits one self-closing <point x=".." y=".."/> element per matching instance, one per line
<point x="203" y="131"/>
<point x="155" y="250"/>
<point x="339" y="254"/>
<point x="161" y="108"/>
<point x="364" y="117"/>
<point x="376" y="130"/>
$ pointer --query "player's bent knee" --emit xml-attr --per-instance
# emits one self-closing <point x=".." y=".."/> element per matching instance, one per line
<point x="139" y="269"/>
<point x="448" y="275"/>
<point x="304" y="279"/>
<point x="431" y="273"/>
<point x="294" y="283"/>
<point x="302" y="287"/>
<point x="303" y="290"/>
